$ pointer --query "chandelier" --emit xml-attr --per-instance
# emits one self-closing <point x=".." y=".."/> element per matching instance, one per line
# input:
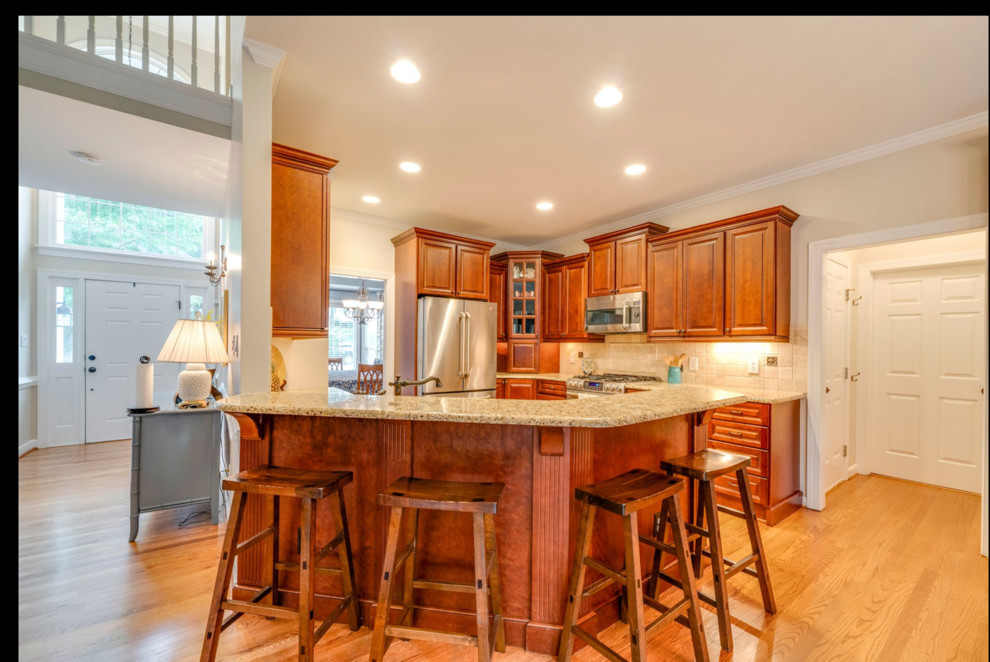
<point x="361" y="309"/>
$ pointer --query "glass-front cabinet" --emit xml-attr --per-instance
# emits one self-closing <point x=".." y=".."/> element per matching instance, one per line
<point x="523" y="277"/>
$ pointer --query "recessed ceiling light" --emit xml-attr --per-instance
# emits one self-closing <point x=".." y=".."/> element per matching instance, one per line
<point x="608" y="96"/>
<point x="88" y="158"/>
<point x="405" y="71"/>
<point x="635" y="169"/>
<point x="409" y="166"/>
<point x="543" y="206"/>
<point x="371" y="199"/>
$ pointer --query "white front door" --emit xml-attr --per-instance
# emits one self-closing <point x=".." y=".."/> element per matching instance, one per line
<point x="835" y="412"/>
<point x="927" y="370"/>
<point x="124" y="321"/>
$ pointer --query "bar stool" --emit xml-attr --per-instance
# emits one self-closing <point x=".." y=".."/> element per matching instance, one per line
<point x="415" y="494"/>
<point x="704" y="467"/>
<point x="625" y="495"/>
<point x="274" y="483"/>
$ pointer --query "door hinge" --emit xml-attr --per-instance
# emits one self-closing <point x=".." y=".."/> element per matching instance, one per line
<point x="845" y="450"/>
<point x="847" y="294"/>
<point x="845" y="373"/>
<point x="179" y="302"/>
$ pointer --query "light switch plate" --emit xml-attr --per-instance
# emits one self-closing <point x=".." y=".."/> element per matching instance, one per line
<point x="754" y="365"/>
<point x="692" y="363"/>
<point x="573" y="357"/>
<point x="23" y="340"/>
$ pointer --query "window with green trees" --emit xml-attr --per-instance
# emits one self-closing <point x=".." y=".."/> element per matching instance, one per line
<point x="96" y="223"/>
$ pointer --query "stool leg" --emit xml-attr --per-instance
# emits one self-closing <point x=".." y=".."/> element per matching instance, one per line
<point x="688" y="582"/>
<point x="634" y="588"/>
<point x="379" y="642"/>
<point x="659" y="531"/>
<point x="306" y="580"/>
<point x="224" y="570"/>
<point x="494" y="584"/>
<point x="718" y="566"/>
<point x="577" y="582"/>
<point x="346" y="562"/>
<point x="481" y="591"/>
<point x="270" y="577"/>
<point x="409" y="572"/>
<point x="697" y="551"/>
<point x="756" y="542"/>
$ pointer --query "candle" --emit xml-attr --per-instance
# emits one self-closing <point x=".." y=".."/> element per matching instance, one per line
<point x="144" y="383"/>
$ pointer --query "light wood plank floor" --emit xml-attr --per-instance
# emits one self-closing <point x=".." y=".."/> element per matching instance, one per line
<point x="889" y="571"/>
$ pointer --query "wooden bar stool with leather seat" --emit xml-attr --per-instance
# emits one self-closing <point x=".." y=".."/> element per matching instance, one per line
<point x="412" y="495"/>
<point x="626" y="495"/>
<point x="275" y="483"/>
<point x="704" y="467"/>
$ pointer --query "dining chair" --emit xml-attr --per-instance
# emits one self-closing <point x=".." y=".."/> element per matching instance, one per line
<point x="335" y="363"/>
<point x="370" y="379"/>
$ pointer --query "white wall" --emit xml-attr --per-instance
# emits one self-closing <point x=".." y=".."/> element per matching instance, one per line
<point x="27" y="370"/>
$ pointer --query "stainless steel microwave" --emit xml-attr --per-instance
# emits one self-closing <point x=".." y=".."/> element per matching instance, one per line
<point x="616" y="313"/>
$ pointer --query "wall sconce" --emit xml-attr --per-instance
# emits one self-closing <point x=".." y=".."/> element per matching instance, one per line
<point x="217" y="272"/>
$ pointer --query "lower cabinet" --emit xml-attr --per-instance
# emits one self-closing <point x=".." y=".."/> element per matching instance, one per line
<point x="520" y="389"/>
<point x="548" y="389"/>
<point x="768" y="435"/>
<point x="509" y="388"/>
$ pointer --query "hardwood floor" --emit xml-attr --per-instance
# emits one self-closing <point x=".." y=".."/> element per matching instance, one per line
<point x="889" y="571"/>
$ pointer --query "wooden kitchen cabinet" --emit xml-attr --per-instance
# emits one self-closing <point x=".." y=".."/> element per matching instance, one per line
<point x="444" y="265"/>
<point x="550" y="389"/>
<point x="300" y="240"/>
<point x="524" y="312"/>
<point x="617" y="260"/>
<point x="496" y="294"/>
<point x="721" y="280"/>
<point x="520" y="389"/>
<point x="768" y="435"/>
<point x="686" y="286"/>
<point x="565" y="286"/>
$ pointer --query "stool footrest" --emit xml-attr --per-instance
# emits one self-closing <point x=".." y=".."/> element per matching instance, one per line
<point x="259" y="610"/>
<point x="253" y="540"/>
<point x="730" y="511"/>
<point x="595" y="643"/>
<point x="656" y="544"/>
<point x="600" y="567"/>
<point x="672" y="613"/>
<point x="293" y="566"/>
<point x="237" y="614"/>
<point x="732" y="567"/>
<point x="444" y="586"/>
<point x="676" y="582"/>
<point x="597" y="586"/>
<point x="409" y="632"/>
<point x="329" y="547"/>
<point x="695" y="532"/>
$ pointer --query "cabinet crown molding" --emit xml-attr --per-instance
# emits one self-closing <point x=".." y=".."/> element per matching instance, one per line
<point x="643" y="228"/>
<point x="778" y="213"/>
<point x="297" y="158"/>
<point x="423" y="233"/>
<point x="526" y="255"/>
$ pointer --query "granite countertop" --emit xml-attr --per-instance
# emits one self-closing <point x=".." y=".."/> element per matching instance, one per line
<point x="660" y="401"/>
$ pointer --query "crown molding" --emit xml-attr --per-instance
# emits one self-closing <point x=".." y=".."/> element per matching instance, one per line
<point x="263" y="54"/>
<point x="908" y="141"/>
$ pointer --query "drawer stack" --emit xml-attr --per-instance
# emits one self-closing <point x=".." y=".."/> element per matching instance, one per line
<point x="768" y="435"/>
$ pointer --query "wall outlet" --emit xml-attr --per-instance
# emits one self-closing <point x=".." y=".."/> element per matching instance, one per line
<point x="573" y="357"/>
<point x="771" y="360"/>
<point x="692" y="363"/>
<point x="580" y="355"/>
<point x="754" y="365"/>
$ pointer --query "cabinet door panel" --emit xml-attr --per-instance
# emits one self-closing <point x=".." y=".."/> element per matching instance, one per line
<point x="574" y="285"/>
<point x="664" y="290"/>
<point x="299" y="251"/>
<point x="496" y="294"/>
<point x="520" y="389"/>
<point x="472" y="272"/>
<point x="630" y="264"/>
<point x="437" y="267"/>
<point x="601" y="265"/>
<point x="749" y="280"/>
<point x="704" y="284"/>
<point x="553" y="303"/>
<point x="523" y="356"/>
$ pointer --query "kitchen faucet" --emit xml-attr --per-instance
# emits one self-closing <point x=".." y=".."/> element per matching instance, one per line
<point x="400" y="383"/>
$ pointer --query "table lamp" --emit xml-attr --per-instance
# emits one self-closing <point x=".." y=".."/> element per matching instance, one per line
<point x="195" y="343"/>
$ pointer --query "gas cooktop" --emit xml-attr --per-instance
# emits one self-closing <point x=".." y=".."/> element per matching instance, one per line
<point x="606" y="383"/>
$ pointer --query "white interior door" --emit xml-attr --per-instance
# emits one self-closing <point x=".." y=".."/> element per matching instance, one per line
<point x="64" y="406"/>
<point x="835" y="410"/>
<point x="124" y="321"/>
<point x="928" y="358"/>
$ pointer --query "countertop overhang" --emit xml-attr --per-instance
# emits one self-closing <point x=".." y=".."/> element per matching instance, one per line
<point x="660" y="401"/>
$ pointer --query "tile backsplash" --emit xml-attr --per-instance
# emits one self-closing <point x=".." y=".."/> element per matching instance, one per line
<point x="719" y="363"/>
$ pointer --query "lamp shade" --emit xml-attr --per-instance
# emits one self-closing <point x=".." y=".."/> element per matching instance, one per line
<point x="194" y="341"/>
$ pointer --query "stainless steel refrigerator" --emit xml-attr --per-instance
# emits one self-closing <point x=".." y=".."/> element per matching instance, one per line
<point x="457" y="344"/>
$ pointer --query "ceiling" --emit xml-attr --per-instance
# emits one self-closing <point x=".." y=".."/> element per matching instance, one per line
<point x="503" y="117"/>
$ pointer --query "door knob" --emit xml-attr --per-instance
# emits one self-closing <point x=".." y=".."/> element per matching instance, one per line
<point x="91" y="369"/>
<point x="91" y="357"/>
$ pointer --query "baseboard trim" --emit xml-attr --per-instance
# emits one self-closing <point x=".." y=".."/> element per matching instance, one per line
<point x="26" y="447"/>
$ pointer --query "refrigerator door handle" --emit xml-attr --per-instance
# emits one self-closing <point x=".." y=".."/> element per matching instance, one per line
<point x="467" y="344"/>
<point x="460" y="345"/>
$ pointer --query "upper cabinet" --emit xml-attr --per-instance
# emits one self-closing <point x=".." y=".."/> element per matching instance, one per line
<point x="565" y="286"/>
<point x="496" y="294"/>
<point x="524" y="311"/>
<point x="446" y="265"/>
<point x="726" y="279"/>
<point x="300" y="242"/>
<point x="617" y="260"/>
